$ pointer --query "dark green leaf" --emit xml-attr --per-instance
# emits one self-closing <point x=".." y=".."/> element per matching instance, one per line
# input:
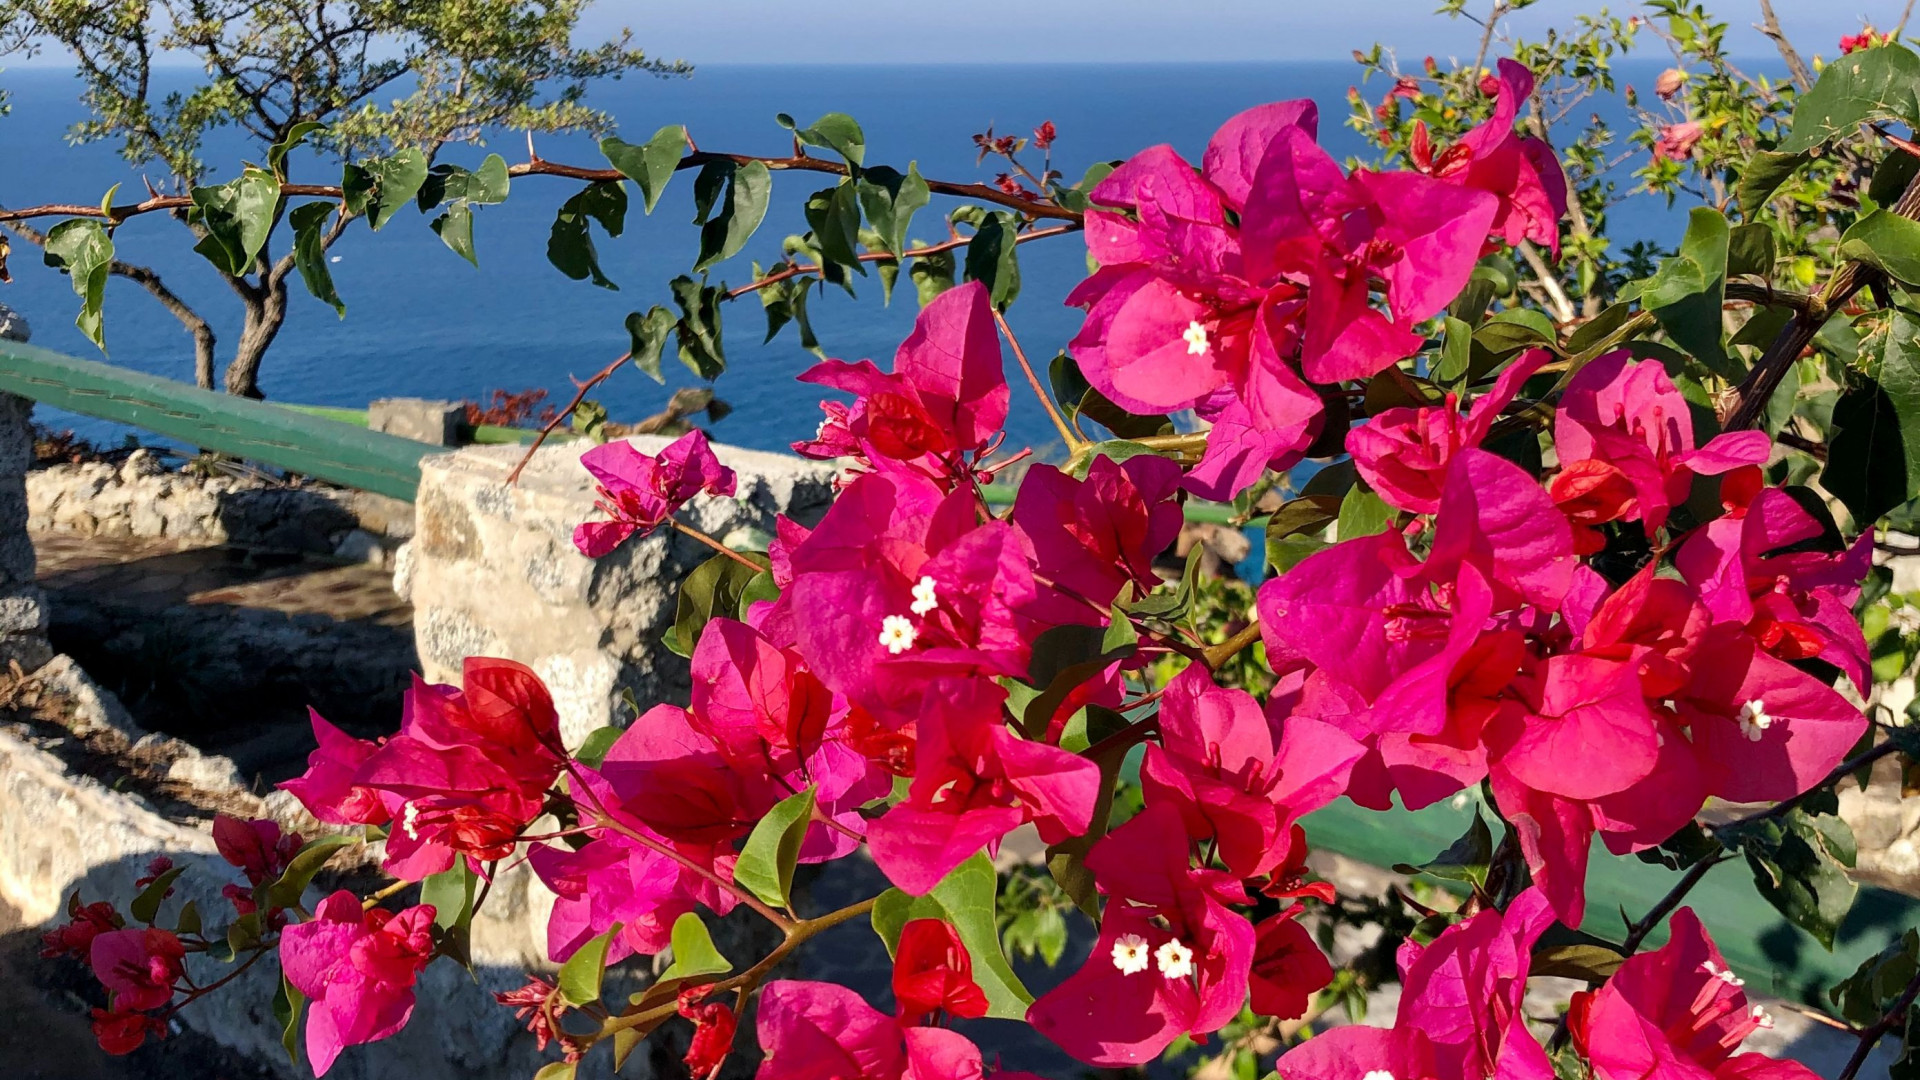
<point x="767" y="860"/>
<point x="593" y="748"/>
<point x="1688" y="293"/>
<point x="453" y="184"/>
<point x="1750" y="251"/>
<point x="580" y="977"/>
<point x="84" y="251"/>
<point x="890" y="200"/>
<point x="1683" y="849"/>
<point x="1455" y="352"/>
<point x="146" y="905"/>
<point x="237" y="217"/>
<point x="378" y="188"/>
<point x="310" y="253"/>
<point x="725" y="233"/>
<point x="693" y="951"/>
<point x="287" y="1004"/>
<point x="834" y="215"/>
<point x="1171" y="605"/>
<point x="293" y="881"/>
<point x="570" y="242"/>
<point x="713" y="588"/>
<point x="648" y="336"/>
<point x="1515" y="329"/>
<point x="1466" y="859"/>
<point x="1593" y="963"/>
<point x="1763" y="175"/>
<point x="966" y="900"/>
<point x="1873" y="455"/>
<point x="1888" y="241"/>
<point x="760" y="588"/>
<point x="189" y="920"/>
<point x="1800" y="863"/>
<point x="1853" y="89"/>
<point x="1597" y="329"/>
<point x="698" y="328"/>
<point x="993" y="257"/>
<point x="650" y="164"/>
<point x="455" y="229"/>
<point x="1065" y="657"/>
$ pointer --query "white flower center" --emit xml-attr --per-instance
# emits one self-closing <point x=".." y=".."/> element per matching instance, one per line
<point x="1174" y="959"/>
<point x="1760" y="1017"/>
<point x="1754" y="720"/>
<point x="1196" y="339"/>
<point x="821" y="431"/>
<point x="1378" y="1074"/>
<point x="1130" y="954"/>
<point x="410" y="819"/>
<point x="923" y="596"/>
<point x="1725" y="975"/>
<point x="897" y="634"/>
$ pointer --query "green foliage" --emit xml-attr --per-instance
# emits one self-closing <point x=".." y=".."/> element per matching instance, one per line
<point x="1873" y="456"/>
<point x="581" y="976"/>
<point x="650" y="164"/>
<point x="293" y="881"/>
<point x="235" y="218"/>
<point x="376" y="189"/>
<point x="694" y="954"/>
<point x="570" y="242"/>
<point x="1800" y="861"/>
<point x="714" y="588"/>
<point x="993" y="257"/>
<point x="966" y="900"/>
<point x="1865" y="85"/>
<point x="288" y="1002"/>
<point x="84" y="251"/>
<point x="648" y="334"/>
<point x="723" y="234"/>
<point x="834" y="131"/>
<point x="772" y="850"/>
<point x="1466" y="860"/>
<point x="310" y="252"/>
<point x="698" y="329"/>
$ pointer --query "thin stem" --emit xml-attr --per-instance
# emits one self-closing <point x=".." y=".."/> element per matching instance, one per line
<point x="1046" y="400"/>
<point x="716" y="545"/>
<point x="579" y="395"/>
<point x="1889" y="1020"/>
<point x="606" y="821"/>
<point x="381" y="894"/>
<point x="801" y="269"/>
<point x="1219" y="654"/>
<point x="1562" y="307"/>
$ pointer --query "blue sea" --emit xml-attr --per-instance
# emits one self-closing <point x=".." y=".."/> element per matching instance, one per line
<point x="422" y="322"/>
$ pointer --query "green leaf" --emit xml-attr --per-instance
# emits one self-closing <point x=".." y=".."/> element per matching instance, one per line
<point x="451" y="894"/>
<point x="650" y="164"/>
<point x="1766" y="170"/>
<point x="693" y="951"/>
<point x="1594" y="963"/>
<point x="1688" y="292"/>
<point x="1362" y="513"/>
<point x="1171" y="605"/>
<point x="1873" y="455"/>
<point x="293" y="881"/>
<point x="453" y="184"/>
<point x="146" y="906"/>
<point x="993" y="257"/>
<point x="724" y="234"/>
<point x="1065" y="657"/>
<point x="1292" y="530"/>
<point x="834" y="216"/>
<point x="1455" y="353"/>
<point x="1466" y="859"/>
<point x="1800" y="863"/>
<point x="834" y="131"/>
<point x="890" y="200"/>
<point x="581" y="976"/>
<point x="310" y="253"/>
<point x="556" y="1070"/>
<point x="237" y="216"/>
<point x="287" y="1004"/>
<point x="188" y="921"/>
<point x="296" y="135"/>
<point x="698" y="328"/>
<point x="1888" y="241"/>
<point x="649" y="335"/>
<point x="1597" y="329"/>
<point x="1853" y="89"/>
<point x="1750" y="251"/>
<point x="570" y="242"/>
<point x="932" y="275"/>
<point x="1866" y="995"/>
<point x="1515" y="329"/>
<point x="964" y="899"/>
<point x="378" y="188"/>
<point x="713" y="588"/>
<point x="84" y="251"/>
<point x="455" y="229"/>
<point x="760" y="588"/>
<point x="767" y="860"/>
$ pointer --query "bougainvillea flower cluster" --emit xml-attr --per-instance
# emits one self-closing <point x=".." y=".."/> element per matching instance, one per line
<point x="1553" y="586"/>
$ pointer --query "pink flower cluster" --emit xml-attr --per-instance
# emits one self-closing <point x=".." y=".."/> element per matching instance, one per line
<point x="1485" y="639"/>
<point x="1237" y="290"/>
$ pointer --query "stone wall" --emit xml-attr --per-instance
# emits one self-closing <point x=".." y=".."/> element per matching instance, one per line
<point x="492" y="570"/>
<point x="141" y="496"/>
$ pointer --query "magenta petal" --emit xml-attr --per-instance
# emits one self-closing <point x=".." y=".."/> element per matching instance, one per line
<point x="1593" y="735"/>
<point x="1810" y="726"/>
<point x="1495" y="516"/>
<point x="953" y="358"/>
<point x="1233" y="154"/>
<point x="597" y="538"/>
<point x="917" y="847"/>
<point x="822" y="1031"/>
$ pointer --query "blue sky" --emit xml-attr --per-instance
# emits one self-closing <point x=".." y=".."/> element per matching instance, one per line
<point x="907" y="31"/>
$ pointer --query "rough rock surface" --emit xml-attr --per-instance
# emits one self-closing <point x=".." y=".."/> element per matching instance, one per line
<point x="493" y="570"/>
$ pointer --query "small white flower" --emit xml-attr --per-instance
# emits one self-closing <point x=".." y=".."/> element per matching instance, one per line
<point x="1760" y="1017"/>
<point x="821" y="431"/>
<point x="1725" y="975"/>
<point x="410" y="819"/>
<point x="1195" y="336"/>
<point x="1754" y="720"/>
<point x="1174" y="959"/>
<point x="923" y="596"/>
<point x="897" y="634"/>
<point x="1130" y="954"/>
<point x="1378" y="1074"/>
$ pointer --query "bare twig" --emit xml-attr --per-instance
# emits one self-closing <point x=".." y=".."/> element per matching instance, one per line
<point x="1046" y="400"/>
<point x="579" y="395"/>
<point x="1549" y="281"/>
<point x="1770" y="26"/>
<point x="1870" y="1037"/>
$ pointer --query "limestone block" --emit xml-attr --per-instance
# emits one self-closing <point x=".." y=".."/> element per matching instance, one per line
<point x="436" y="422"/>
<point x="494" y="571"/>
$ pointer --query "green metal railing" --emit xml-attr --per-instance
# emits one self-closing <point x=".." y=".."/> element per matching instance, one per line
<point x="335" y="445"/>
